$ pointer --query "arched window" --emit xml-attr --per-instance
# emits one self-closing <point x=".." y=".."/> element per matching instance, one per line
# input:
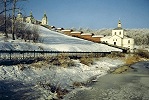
<point x="128" y="41"/>
<point x="119" y="33"/>
<point x="115" y="33"/>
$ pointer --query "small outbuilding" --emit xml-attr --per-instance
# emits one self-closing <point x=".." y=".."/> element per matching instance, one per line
<point x="67" y="32"/>
<point x="59" y="29"/>
<point x="76" y="34"/>
<point x="87" y="36"/>
<point x="96" y="38"/>
<point x="53" y="28"/>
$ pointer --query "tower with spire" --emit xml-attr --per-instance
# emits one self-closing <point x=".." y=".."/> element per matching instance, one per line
<point x="19" y="17"/>
<point x="119" y="31"/>
<point x="30" y="19"/>
<point x="119" y="24"/>
<point x="44" y="20"/>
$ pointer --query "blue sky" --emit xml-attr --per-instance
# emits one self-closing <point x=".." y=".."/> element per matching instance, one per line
<point x="94" y="14"/>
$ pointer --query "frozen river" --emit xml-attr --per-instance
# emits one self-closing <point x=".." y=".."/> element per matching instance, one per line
<point x="132" y="85"/>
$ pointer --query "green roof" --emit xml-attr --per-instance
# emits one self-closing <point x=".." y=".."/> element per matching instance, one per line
<point x="45" y="15"/>
<point x="118" y="28"/>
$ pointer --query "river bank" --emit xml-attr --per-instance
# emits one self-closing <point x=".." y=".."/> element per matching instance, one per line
<point x="41" y="83"/>
<point x="130" y="85"/>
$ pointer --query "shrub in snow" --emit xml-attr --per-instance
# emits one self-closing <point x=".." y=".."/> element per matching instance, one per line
<point x="143" y="53"/>
<point x="21" y="67"/>
<point x="132" y="59"/>
<point x="121" y="69"/>
<point x="61" y="92"/>
<point x="116" y="54"/>
<point x="62" y="60"/>
<point x="27" y="33"/>
<point x="39" y="64"/>
<point x="86" y="60"/>
<point x="77" y="84"/>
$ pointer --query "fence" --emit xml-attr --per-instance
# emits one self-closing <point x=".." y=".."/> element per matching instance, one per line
<point x="15" y="54"/>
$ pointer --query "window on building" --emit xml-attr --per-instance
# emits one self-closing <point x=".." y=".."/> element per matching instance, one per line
<point x="115" y="33"/>
<point x="119" y="33"/>
<point x="116" y="39"/>
<point x="114" y="43"/>
<point x="113" y="39"/>
<point x="128" y="41"/>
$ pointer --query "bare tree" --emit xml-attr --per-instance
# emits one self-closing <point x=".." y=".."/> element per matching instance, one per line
<point x="3" y="10"/>
<point x="13" y="18"/>
<point x="6" y="7"/>
<point x="35" y="34"/>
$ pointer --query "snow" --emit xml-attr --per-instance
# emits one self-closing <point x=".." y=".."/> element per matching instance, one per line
<point x="57" y="76"/>
<point x="98" y="36"/>
<point x="65" y="77"/>
<point x="54" y="41"/>
<point x="66" y="30"/>
<point x="86" y="34"/>
<point x="76" y="32"/>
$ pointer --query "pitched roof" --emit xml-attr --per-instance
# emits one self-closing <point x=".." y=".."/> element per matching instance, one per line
<point x="116" y="36"/>
<point x="118" y="28"/>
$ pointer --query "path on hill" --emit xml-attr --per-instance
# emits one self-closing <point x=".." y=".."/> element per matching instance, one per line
<point x="131" y="85"/>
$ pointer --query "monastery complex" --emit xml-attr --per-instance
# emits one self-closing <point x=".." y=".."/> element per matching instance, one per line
<point x="31" y="19"/>
<point x="118" y="36"/>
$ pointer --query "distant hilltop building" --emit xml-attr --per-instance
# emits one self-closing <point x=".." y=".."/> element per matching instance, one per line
<point x="44" y="20"/>
<point x="31" y="19"/>
<point x="119" y="38"/>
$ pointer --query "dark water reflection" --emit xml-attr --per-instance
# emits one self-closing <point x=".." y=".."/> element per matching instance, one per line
<point x="132" y="85"/>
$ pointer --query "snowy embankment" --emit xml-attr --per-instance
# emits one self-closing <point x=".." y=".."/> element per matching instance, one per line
<point x="56" y="76"/>
<point x="54" y="41"/>
<point x="16" y="83"/>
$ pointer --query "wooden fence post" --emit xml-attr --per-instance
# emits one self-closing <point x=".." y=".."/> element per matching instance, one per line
<point x="34" y="53"/>
<point x="23" y="55"/>
<point x="10" y="55"/>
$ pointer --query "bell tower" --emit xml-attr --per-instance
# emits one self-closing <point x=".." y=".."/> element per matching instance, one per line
<point x="119" y="24"/>
<point x="119" y="31"/>
<point x="44" y="19"/>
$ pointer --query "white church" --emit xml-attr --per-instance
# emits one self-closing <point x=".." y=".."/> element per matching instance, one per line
<point x="119" y="38"/>
<point x="31" y="19"/>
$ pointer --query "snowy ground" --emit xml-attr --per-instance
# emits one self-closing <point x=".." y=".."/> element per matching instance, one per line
<point x="24" y="84"/>
<point x="27" y="80"/>
<point x="55" y="41"/>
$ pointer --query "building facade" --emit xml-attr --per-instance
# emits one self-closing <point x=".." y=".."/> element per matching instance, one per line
<point x="44" y="20"/>
<point x="31" y="19"/>
<point x="119" y="38"/>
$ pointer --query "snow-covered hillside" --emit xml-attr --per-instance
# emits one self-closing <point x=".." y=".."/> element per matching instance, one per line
<point x="31" y="83"/>
<point x="55" y="41"/>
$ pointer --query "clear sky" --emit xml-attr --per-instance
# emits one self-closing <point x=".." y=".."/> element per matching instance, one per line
<point x="94" y="14"/>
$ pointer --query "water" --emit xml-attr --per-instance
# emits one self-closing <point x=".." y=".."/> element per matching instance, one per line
<point x="132" y="85"/>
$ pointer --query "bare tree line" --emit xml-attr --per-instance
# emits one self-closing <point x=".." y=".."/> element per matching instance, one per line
<point x="9" y="24"/>
<point x="27" y="32"/>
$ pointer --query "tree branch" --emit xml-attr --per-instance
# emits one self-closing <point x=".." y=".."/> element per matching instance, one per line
<point x="7" y="10"/>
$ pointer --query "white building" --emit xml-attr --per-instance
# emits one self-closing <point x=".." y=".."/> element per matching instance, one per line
<point x="31" y="19"/>
<point x="118" y="38"/>
<point x="20" y="17"/>
<point x="44" y="20"/>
